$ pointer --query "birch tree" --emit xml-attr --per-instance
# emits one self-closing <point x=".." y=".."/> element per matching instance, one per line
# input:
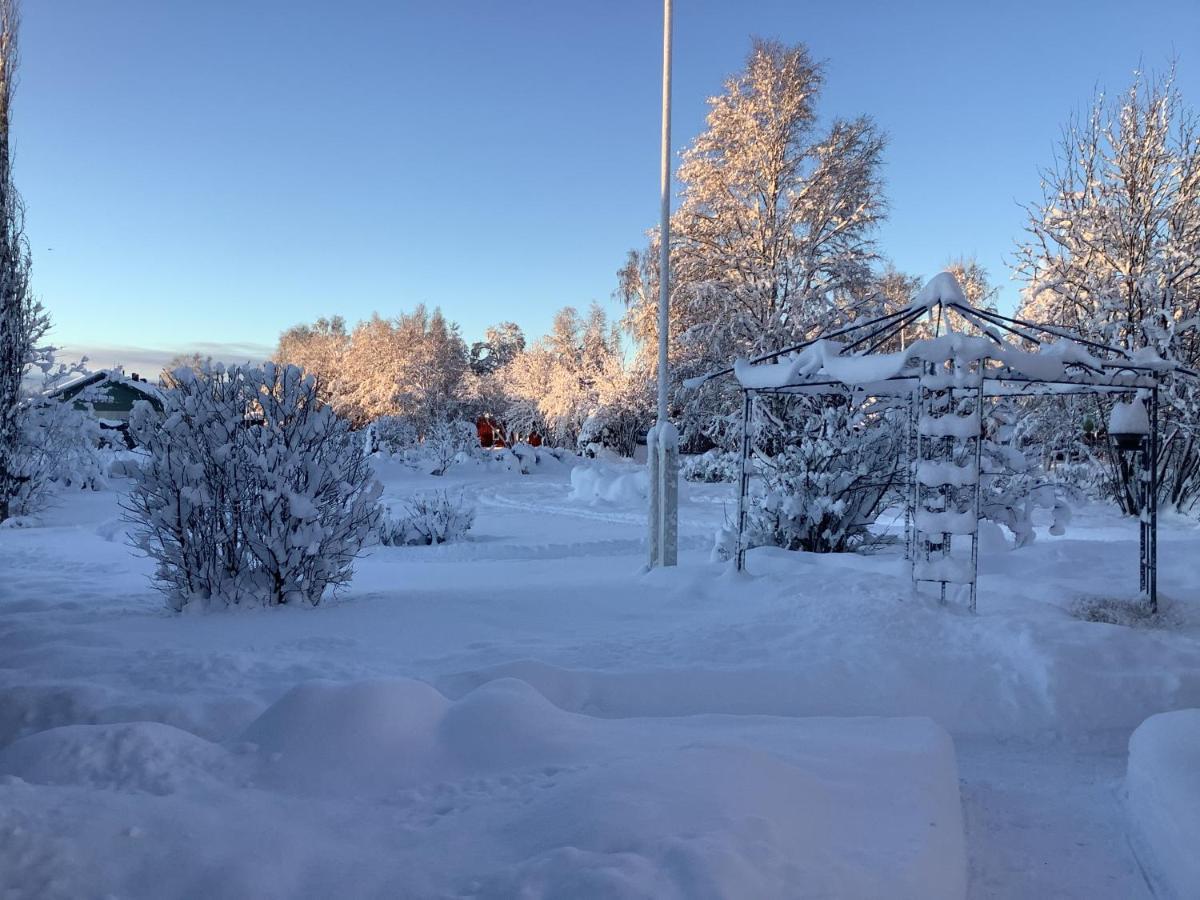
<point x="1113" y="251"/>
<point x="774" y="235"/>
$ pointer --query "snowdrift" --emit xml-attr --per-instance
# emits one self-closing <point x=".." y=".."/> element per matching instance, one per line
<point x="597" y="483"/>
<point x="1164" y="801"/>
<point x="386" y="787"/>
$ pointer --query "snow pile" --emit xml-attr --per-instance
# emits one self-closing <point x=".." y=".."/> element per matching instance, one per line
<point x="132" y="756"/>
<point x="498" y="794"/>
<point x="618" y="485"/>
<point x="1164" y="800"/>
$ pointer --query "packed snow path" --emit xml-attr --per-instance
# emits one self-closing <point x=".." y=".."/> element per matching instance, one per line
<point x="549" y="593"/>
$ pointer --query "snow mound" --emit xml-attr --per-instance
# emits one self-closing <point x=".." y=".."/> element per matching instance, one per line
<point x="1164" y="800"/>
<point x="321" y="736"/>
<point x="556" y="804"/>
<point x="599" y="484"/>
<point x="135" y="756"/>
<point x="507" y="723"/>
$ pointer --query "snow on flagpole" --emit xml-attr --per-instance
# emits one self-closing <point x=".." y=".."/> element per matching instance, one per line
<point x="662" y="444"/>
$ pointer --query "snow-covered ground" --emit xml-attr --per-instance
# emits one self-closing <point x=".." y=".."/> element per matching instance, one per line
<point x="528" y="713"/>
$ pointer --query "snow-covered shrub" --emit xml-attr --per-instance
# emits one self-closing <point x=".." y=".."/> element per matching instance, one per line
<point x="724" y="546"/>
<point x="57" y="446"/>
<point x="824" y="472"/>
<point x="125" y="464"/>
<point x="394" y="435"/>
<point x="447" y="440"/>
<point x="711" y="466"/>
<point x="432" y="518"/>
<point x="614" y="426"/>
<point x="252" y="489"/>
<point x="1012" y="481"/>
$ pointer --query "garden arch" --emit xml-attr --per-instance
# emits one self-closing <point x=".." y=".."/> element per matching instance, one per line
<point x="946" y="379"/>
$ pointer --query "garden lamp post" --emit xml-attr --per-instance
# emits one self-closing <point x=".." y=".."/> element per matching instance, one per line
<point x="1129" y="430"/>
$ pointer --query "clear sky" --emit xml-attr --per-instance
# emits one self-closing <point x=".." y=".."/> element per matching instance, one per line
<point x="205" y="174"/>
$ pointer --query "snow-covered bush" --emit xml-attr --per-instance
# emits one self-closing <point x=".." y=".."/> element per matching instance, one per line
<point x="824" y="473"/>
<point x="624" y="408"/>
<point x="711" y="466"/>
<point x="1012" y="482"/>
<point x="394" y="435"/>
<point x="432" y="518"/>
<point x="252" y="489"/>
<point x="447" y="440"/>
<point x="57" y="447"/>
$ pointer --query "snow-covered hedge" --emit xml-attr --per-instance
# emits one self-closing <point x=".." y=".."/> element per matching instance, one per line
<point x="252" y="490"/>
<point x="433" y="518"/>
<point x="711" y="466"/>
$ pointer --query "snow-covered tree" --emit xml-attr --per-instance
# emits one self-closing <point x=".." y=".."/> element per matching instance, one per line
<point x="500" y="345"/>
<point x="411" y="365"/>
<point x="565" y="373"/>
<point x="193" y="361"/>
<point x="773" y="240"/>
<point x="320" y="350"/>
<point x="23" y="322"/>
<point x="623" y="410"/>
<point x="1113" y="252"/>
<point x="253" y="489"/>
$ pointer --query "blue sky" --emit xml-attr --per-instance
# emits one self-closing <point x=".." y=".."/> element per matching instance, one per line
<point x="205" y="174"/>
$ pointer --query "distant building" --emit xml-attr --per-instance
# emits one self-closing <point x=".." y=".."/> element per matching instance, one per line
<point x="493" y="434"/>
<point x="110" y="396"/>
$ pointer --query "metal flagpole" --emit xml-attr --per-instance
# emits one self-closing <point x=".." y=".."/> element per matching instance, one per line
<point x="664" y="228"/>
<point x="662" y="445"/>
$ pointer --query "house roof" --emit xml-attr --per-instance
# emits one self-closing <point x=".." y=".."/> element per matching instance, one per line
<point x="102" y="376"/>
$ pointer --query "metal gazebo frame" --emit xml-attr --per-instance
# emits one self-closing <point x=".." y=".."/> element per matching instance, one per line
<point x="1093" y="368"/>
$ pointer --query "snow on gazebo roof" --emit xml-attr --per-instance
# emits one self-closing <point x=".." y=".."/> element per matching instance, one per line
<point x="1017" y="356"/>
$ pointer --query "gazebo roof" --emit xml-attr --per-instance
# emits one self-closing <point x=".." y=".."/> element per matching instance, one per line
<point x="1016" y="356"/>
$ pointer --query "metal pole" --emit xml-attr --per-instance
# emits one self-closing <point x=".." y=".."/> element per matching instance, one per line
<point x="664" y="229"/>
<point x="1152" y="555"/>
<point x="743" y="484"/>
<point x="662" y="445"/>
<point x="978" y="489"/>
